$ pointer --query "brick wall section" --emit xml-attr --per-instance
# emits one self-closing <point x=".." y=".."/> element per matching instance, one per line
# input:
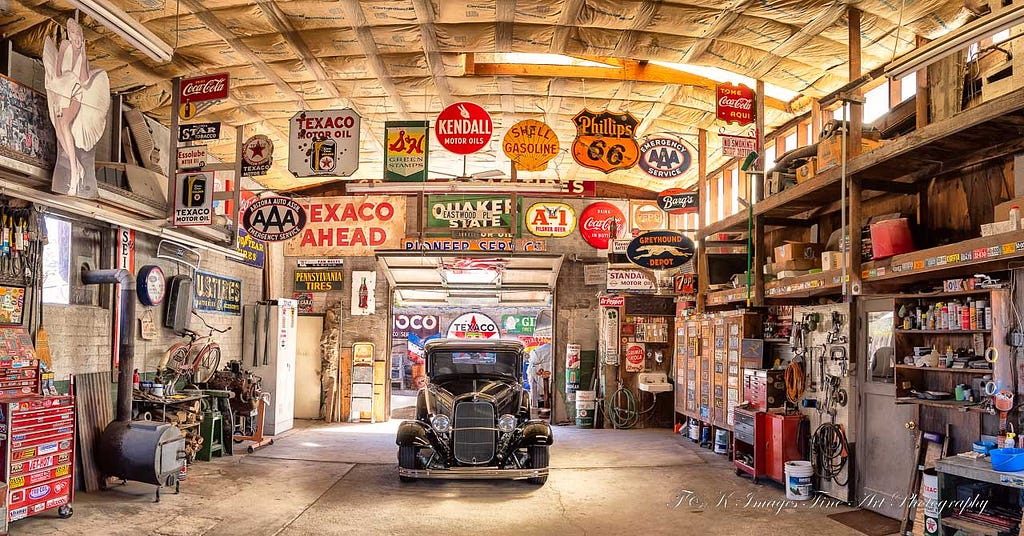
<point x="80" y="336"/>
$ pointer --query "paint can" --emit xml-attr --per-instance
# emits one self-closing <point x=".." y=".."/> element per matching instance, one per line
<point x="586" y="404"/>
<point x="930" y="495"/>
<point x="721" y="441"/>
<point x="694" y="430"/>
<point x="799" y="486"/>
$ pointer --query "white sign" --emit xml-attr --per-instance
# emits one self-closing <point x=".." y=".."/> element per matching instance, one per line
<point x="630" y="279"/>
<point x="620" y="245"/>
<point x="595" y="274"/>
<point x="737" y="146"/>
<point x="364" y="285"/>
<point x="324" y="143"/>
<point x="321" y="262"/>
<point x="192" y="158"/>
<point x="473" y="326"/>
<point x="193" y="203"/>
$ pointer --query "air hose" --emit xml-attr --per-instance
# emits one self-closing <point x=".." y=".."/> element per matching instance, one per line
<point x="794" y="377"/>
<point x="829" y="453"/>
<point x="622" y="408"/>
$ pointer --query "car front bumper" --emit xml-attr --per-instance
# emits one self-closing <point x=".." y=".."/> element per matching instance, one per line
<point x="473" y="473"/>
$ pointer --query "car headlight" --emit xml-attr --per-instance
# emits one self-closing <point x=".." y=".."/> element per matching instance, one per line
<point x="507" y="423"/>
<point x="441" y="423"/>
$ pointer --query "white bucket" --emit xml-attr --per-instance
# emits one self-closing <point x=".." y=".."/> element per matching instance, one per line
<point x="721" y="441"/>
<point x="586" y="404"/>
<point x="694" y="430"/>
<point x="930" y="494"/>
<point x="798" y="480"/>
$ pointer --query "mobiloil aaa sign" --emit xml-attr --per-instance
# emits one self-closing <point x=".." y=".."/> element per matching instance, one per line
<point x="660" y="250"/>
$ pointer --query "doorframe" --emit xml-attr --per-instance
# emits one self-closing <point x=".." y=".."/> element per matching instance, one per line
<point x="323" y="328"/>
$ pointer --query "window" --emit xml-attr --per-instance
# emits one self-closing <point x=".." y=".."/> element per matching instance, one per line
<point x="734" y="203"/>
<point x="769" y="157"/>
<point x="791" y="142"/>
<point x="876" y="102"/>
<point x="999" y="37"/>
<point x="908" y="86"/>
<point x="57" y="261"/>
<point x="810" y="131"/>
<point x="721" y="197"/>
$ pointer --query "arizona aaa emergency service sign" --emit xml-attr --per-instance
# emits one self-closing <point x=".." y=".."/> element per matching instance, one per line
<point x="473" y="326"/>
<point x="324" y="143"/>
<point x="463" y="128"/>
<point x="664" y="158"/>
<point x="556" y="220"/>
<point x="274" y="218"/>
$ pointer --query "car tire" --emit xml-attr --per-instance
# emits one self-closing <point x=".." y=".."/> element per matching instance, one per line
<point x="538" y="460"/>
<point x="407" y="460"/>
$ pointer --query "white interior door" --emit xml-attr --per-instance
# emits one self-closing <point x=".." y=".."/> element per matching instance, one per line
<point x="307" y="367"/>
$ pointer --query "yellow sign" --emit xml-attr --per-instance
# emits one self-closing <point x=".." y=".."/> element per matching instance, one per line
<point x="187" y="111"/>
<point x="530" y="145"/>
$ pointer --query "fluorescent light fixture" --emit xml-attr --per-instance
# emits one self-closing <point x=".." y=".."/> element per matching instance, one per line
<point x="411" y="188"/>
<point x="721" y="75"/>
<point x="123" y="24"/>
<point x="958" y="39"/>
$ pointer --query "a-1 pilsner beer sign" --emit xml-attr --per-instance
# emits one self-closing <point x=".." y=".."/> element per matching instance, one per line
<point x="605" y="141"/>
<point x="734" y="104"/>
<point x="463" y="128"/>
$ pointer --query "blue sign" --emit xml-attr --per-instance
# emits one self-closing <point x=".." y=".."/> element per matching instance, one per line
<point x="660" y="250"/>
<point x="254" y="250"/>
<point x="217" y="293"/>
<point x="664" y="158"/>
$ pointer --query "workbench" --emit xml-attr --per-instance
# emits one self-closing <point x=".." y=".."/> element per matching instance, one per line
<point x="954" y="468"/>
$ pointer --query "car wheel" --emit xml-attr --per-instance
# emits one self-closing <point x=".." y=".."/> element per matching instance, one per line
<point x="407" y="460"/>
<point x="538" y="460"/>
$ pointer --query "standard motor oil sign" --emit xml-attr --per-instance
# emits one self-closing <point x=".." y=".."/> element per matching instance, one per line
<point x="193" y="204"/>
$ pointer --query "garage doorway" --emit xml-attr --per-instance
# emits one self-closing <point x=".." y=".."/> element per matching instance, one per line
<point x="307" y="366"/>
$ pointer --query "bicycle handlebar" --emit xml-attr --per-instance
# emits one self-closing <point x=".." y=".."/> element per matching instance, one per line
<point x="211" y="328"/>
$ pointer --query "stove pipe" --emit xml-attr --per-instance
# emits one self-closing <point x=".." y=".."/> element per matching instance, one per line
<point x="126" y="343"/>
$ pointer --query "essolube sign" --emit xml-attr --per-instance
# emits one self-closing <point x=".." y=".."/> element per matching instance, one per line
<point x="660" y="250"/>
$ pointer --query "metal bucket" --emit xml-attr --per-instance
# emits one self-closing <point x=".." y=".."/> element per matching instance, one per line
<point x="586" y="405"/>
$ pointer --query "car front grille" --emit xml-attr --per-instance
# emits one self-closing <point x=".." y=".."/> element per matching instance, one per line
<point x="474" y="435"/>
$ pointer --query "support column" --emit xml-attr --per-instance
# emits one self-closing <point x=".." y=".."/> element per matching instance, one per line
<point x="702" y="258"/>
<point x="921" y="103"/>
<point x="853" y="148"/>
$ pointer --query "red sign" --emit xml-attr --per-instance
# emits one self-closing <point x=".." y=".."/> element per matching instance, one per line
<point x="635" y="354"/>
<point x="678" y="201"/>
<point x="612" y="301"/>
<point x="463" y="128"/>
<point x="204" y="88"/>
<point x="596" y="223"/>
<point x="734" y="104"/>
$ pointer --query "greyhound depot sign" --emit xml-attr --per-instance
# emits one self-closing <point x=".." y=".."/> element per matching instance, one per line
<point x="473" y="326"/>
<point x="660" y="250"/>
<point x="349" y="226"/>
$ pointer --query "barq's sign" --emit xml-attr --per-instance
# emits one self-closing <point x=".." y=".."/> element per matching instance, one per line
<point x="349" y="226"/>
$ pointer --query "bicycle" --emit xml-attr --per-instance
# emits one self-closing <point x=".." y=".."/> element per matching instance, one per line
<point x="196" y="359"/>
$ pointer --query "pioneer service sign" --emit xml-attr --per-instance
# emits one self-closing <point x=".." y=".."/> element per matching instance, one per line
<point x="463" y="128"/>
<point x="324" y="143"/>
<point x="605" y="141"/>
<point x="349" y="226"/>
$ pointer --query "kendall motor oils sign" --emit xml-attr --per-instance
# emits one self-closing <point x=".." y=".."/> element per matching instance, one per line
<point x="349" y="226"/>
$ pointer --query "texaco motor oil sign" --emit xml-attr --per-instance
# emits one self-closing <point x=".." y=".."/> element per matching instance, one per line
<point x="323" y="143"/>
<point x="605" y="141"/>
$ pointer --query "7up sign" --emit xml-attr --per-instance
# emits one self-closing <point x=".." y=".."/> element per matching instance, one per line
<point x="273" y="219"/>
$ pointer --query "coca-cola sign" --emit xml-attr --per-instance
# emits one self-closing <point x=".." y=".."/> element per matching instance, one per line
<point x="734" y="103"/>
<point x="205" y="88"/>
<point x="678" y="201"/>
<point x="596" y="222"/>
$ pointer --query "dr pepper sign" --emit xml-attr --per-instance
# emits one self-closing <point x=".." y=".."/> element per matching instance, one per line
<point x="734" y="104"/>
<point x="323" y="143"/>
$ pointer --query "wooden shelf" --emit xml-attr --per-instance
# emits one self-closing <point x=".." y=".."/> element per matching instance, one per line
<point x="802" y="286"/>
<point x="736" y="222"/>
<point x="943" y="331"/>
<point x="972" y="255"/>
<point x="931" y="295"/>
<point x="727" y="297"/>
<point x="948" y="370"/>
<point x="962" y="405"/>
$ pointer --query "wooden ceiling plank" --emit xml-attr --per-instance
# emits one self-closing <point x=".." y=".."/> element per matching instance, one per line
<point x="722" y="23"/>
<point x="830" y="16"/>
<point x="365" y="37"/>
<point x="425" y="19"/>
<point x="627" y="41"/>
<point x="571" y="10"/>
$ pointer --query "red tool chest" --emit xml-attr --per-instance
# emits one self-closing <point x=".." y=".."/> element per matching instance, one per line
<point x="37" y="454"/>
<point x="748" y="443"/>
<point x="764" y="389"/>
<point x="783" y="437"/>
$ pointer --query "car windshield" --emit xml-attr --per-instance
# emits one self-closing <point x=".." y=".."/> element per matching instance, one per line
<point x="474" y="362"/>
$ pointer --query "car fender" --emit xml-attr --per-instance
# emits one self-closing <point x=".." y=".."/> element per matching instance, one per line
<point x="412" y="433"/>
<point x="537" y="433"/>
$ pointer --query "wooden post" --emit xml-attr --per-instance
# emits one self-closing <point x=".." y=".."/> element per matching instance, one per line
<point x="758" y="189"/>
<point x="236" y="196"/>
<point x="702" y="261"/>
<point x="815" y="121"/>
<point x="856" y="108"/>
<point x="921" y="100"/>
<point x="172" y="151"/>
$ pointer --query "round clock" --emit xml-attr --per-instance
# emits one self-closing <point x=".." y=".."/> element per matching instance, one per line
<point x="150" y="285"/>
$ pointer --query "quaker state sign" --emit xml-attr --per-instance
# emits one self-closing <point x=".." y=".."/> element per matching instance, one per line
<point x="605" y="141"/>
<point x="530" y="145"/>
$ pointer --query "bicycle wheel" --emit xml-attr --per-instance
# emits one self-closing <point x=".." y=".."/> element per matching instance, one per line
<point x="178" y="360"/>
<point x="208" y="363"/>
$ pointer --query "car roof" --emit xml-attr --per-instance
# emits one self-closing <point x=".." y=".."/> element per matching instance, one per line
<point x="509" y="345"/>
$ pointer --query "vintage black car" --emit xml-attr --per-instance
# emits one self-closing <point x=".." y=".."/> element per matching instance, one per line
<point x="473" y="417"/>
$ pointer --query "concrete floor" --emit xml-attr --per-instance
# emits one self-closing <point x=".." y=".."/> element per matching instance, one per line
<point x="341" y="479"/>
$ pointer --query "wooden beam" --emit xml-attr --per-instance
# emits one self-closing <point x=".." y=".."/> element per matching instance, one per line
<point x="369" y="47"/>
<point x="853" y="141"/>
<point x="725" y="19"/>
<point x="789" y="222"/>
<point x="630" y="70"/>
<point x="702" y="170"/>
<point x="889" y="186"/>
<point x="923" y="94"/>
<point x="428" y="35"/>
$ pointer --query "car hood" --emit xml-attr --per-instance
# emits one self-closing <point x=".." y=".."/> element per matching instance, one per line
<point x="442" y="395"/>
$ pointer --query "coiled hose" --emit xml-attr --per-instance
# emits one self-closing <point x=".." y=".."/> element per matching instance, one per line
<point x="622" y="408"/>
<point x="795" y="378"/>
<point x="829" y="453"/>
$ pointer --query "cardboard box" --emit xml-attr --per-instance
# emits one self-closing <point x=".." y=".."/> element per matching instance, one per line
<point x="798" y="251"/>
<point x="788" y="266"/>
<point x="999" y="227"/>
<point x="830" y="151"/>
<point x="1002" y="212"/>
<point x="806" y="171"/>
<point x="832" y="260"/>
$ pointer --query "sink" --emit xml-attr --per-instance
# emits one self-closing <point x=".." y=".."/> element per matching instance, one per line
<point x="654" y="382"/>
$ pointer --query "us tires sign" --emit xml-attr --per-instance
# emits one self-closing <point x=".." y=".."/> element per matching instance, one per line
<point x="273" y="219"/>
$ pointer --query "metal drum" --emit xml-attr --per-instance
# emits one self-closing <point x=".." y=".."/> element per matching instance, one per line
<point x="143" y="451"/>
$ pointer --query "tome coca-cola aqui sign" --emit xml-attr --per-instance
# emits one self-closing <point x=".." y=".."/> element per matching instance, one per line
<point x="734" y="103"/>
<point x="596" y="223"/>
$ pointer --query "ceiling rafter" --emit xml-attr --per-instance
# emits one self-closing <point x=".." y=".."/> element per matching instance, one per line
<point x="505" y="14"/>
<point x="724" y="20"/>
<point x="217" y="27"/>
<point x="829" y="17"/>
<point x="354" y="13"/>
<point x="627" y="40"/>
<point x="571" y="10"/>
<point x="425" y="19"/>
